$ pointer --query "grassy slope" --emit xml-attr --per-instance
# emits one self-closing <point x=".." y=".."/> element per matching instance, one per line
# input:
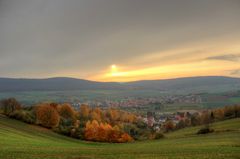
<point x="21" y="141"/>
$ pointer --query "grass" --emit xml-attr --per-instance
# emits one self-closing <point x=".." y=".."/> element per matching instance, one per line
<point x="235" y="99"/>
<point x="22" y="141"/>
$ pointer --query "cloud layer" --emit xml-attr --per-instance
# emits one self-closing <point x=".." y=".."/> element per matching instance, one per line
<point x="82" y="38"/>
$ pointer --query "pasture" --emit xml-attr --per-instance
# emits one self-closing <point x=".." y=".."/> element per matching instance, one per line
<point x="22" y="141"/>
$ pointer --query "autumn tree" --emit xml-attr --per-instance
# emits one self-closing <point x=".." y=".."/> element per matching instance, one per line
<point x="205" y="118"/>
<point x="125" y="138"/>
<point x="113" y="114"/>
<point x="10" y="105"/>
<point x="96" y="114"/>
<point x="169" y="125"/>
<point x="103" y="132"/>
<point x="84" y="111"/>
<point x="219" y="114"/>
<point x="91" y="130"/>
<point x="47" y="115"/>
<point x="66" y="111"/>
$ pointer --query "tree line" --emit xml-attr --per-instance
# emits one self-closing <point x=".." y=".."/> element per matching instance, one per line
<point x="203" y="117"/>
<point x="105" y="125"/>
<point x="92" y="124"/>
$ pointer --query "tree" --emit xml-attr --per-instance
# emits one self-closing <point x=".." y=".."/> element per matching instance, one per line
<point x="84" y="111"/>
<point x="113" y="114"/>
<point x="169" y="125"/>
<point x="10" y="105"/>
<point x="125" y="138"/>
<point x="91" y="130"/>
<point x="230" y="112"/>
<point x="180" y="124"/>
<point x="219" y="114"/>
<point x="96" y="114"/>
<point x="205" y="118"/>
<point x="66" y="111"/>
<point x="195" y="120"/>
<point x="103" y="132"/>
<point x="47" y="116"/>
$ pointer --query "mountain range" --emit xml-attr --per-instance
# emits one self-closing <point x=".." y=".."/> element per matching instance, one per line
<point x="200" y="84"/>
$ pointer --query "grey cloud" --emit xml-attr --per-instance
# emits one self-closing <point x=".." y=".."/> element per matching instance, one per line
<point x="87" y="35"/>
<point x="227" y="57"/>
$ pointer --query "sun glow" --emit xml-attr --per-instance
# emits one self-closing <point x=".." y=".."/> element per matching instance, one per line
<point x="174" y="64"/>
<point x="166" y="71"/>
<point x="114" y="68"/>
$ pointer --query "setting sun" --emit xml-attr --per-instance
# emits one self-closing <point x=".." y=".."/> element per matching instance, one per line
<point x="114" y="67"/>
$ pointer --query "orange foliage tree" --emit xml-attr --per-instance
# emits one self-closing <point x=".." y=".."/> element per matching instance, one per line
<point x="104" y="132"/>
<point x="66" y="111"/>
<point x="115" y="116"/>
<point x="84" y="111"/>
<point x="96" y="114"/>
<point x="47" y="115"/>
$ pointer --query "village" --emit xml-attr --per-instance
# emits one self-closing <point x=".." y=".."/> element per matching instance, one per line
<point x="157" y="121"/>
<point x="154" y="116"/>
<point x="142" y="101"/>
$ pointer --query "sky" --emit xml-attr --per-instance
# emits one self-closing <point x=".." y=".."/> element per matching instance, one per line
<point x="119" y="40"/>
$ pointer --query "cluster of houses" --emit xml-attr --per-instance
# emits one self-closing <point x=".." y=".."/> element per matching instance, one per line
<point x="156" y="121"/>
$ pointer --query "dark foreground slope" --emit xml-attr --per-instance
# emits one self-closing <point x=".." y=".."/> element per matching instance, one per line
<point x="22" y="141"/>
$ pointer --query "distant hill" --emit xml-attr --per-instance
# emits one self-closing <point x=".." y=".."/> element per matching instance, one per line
<point x="188" y="84"/>
<point x="54" y="84"/>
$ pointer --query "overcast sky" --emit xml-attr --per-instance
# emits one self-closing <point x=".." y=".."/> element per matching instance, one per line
<point x="142" y="39"/>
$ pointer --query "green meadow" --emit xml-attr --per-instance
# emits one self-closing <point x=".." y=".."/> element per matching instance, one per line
<point x="22" y="141"/>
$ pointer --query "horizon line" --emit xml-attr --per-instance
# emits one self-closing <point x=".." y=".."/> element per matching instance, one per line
<point x="55" y="77"/>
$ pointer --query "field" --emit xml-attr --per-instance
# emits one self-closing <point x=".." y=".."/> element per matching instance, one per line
<point x="22" y="141"/>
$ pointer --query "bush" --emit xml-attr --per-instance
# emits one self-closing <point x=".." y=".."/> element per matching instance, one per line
<point x="131" y="129"/>
<point x="159" y="135"/>
<point x="47" y="116"/>
<point x="77" y="133"/>
<point x="205" y="130"/>
<point x="25" y="116"/>
<point x="64" y="126"/>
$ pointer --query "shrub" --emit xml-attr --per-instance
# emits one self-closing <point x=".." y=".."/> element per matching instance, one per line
<point x="25" y="116"/>
<point x="159" y="135"/>
<point x="77" y="133"/>
<point x="205" y="130"/>
<point x="64" y="127"/>
<point x="47" y="116"/>
<point x="125" y="138"/>
<point x="10" y="105"/>
<point x="132" y="130"/>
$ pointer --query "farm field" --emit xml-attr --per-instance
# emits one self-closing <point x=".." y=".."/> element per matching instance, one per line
<point x="22" y="141"/>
